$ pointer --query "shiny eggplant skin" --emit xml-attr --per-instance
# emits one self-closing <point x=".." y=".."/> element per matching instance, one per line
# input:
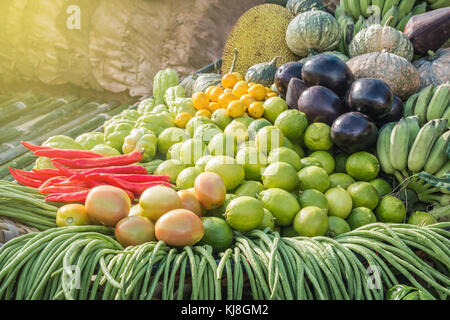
<point x="372" y="97"/>
<point x="320" y="104"/>
<point x="353" y="132"/>
<point x="394" y="115"/>
<point x="328" y="71"/>
<point x="295" y="89"/>
<point x="285" y="73"/>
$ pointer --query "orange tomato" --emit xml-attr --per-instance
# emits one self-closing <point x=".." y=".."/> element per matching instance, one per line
<point x="213" y="106"/>
<point x="215" y="93"/>
<point x="247" y="99"/>
<point x="240" y="88"/>
<point x="272" y="94"/>
<point x="203" y="112"/>
<point x="257" y="91"/>
<point x="256" y="110"/>
<point x="182" y="119"/>
<point x="230" y="79"/>
<point x="200" y="100"/>
<point x="236" y="109"/>
<point x="225" y="99"/>
<point x="208" y="91"/>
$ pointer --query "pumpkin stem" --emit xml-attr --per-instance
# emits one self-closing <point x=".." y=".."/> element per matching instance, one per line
<point x="233" y="64"/>
<point x="431" y="55"/>
<point x="274" y="60"/>
<point x="388" y="21"/>
<point x="312" y="52"/>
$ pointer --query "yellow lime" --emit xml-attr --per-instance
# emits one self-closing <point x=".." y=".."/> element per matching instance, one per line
<point x="311" y="222"/>
<point x="292" y="122"/>
<point x="249" y="188"/>
<point x="268" y="221"/>
<point x="231" y="172"/>
<point x="169" y="137"/>
<point x="244" y="213"/>
<point x="339" y="202"/>
<point x="186" y="177"/>
<point x="253" y="161"/>
<point x="221" y="119"/>
<point x="269" y="138"/>
<point x="280" y="175"/>
<point x="340" y="179"/>
<point x="287" y="155"/>
<point x="318" y="137"/>
<point x="191" y="151"/>
<point x="273" y="107"/>
<point x="313" y="177"/>
<point x="326" y="159"/>
<point x="171" y="168"/>
<point x="363" y="195"/>
<point x="362" y="166"/>
<point x="282" y="204"/>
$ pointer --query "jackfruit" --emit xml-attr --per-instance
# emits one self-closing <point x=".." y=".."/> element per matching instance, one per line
<point x="259" y="35"/>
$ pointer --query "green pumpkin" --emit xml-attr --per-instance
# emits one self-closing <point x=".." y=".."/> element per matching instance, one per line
<point x="434" y="69"/>
<point x="376" y="37"/>
<point x="206" y="80"/>
<point x="263" y="73"/>
<point x="312" y="31"/>
<point x="337" y="54"/>
<point x="188" y="84"/>
<point x="299" y="6"/>
<point x="162" y="81"/>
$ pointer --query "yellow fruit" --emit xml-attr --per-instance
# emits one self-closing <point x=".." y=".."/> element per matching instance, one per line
<point x="225" y="99"/>
<point x="256" y="110"/>
<point x="228" y="90"/>
<point x="247" y="99"/>
<point x="182" y="119"/>
<point x="213" y="106"/>
<point x="257" y="91"/>
<point x="238" y="75"/>
<point x="236" y="109"/>
<point x="229" y="80"/>
<point x="215" y="93"/>
<point x="200" y="100"/>
<point x="240" y="88"/>
<point x="203" y="112"/>
<point x="267" y="90"/>
<point x="208" y="91"/>
<point x="272" y="94"/>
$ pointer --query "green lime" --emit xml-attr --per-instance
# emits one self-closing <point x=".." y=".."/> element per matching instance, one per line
<point x="337" y="226"/>
<point x="299" y="150"/>
<point x="174" y="151"/>
<point x="391" y="209"/>
<point x="231" y="172"/>
<point x="221" y="119"/>
<point x="244" y="213"/>
<point x="288" y="232"/>
<point x="268" y="221"/>
<point x="192" y="150"/>
<point x="249" y="188"/>
<point x="205" y="132"/>
<point x="318" y="137"/>
<point x="222" y="145"/>
<point x="421" y="218"/>
<point x="171" y="168"/>
<point x="269" y="138"/>
<point x="292" y="122"/>
<point x="103" y="149"/>
<point x="340" y="179"/>
<point x="382" y="186"/>
<point x="195" y="122"/>
<point x="273" y="107"/>
<point x="309" y="161"/>
<point x="339" y="202"/>
<point x="287" y="143"/>
<point x="247" y="144"/>
<point x="220" y="211"/>
<point x="280" y="175"/>
<point x="217" y="234"/>
<point x="201" y="163"/>
<point x="313" y="178"/>
<point x="257" y="125"/>
<point x="286" y="155"/>
<point x="313" y="197"/>
<point x="282" y="204"/>
<point x="360" y="216"/>
<point x="186" y="178"/>
<point x="340" y="161"/>
<point x="363" y="195"/>
<point x="238" y="131"/>
<point x="362" y="166"/>
<point x="245" y="120"/>
<point x="169" y="137"/>
<point x="326" y="159"/>
<point x="253" y="161"/>
<point x="311" y="222"/>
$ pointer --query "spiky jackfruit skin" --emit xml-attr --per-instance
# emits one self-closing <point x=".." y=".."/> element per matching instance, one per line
<point x="259" y="35"/>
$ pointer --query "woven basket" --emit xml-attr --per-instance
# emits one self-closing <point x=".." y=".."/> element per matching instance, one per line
<point x="10" y="229"/>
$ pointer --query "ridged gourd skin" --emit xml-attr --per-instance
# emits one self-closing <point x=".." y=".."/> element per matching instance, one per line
<point x="263" y="73"/>
<point x="313" y="30"/>
<point x="376" y="38"/>
<point x="299" y="6"/>
<point x="259" y="36"/>
<point x="434" y="69"/>
<point x="206" y="80"/>
<point x="162" y="81"/>
<point x="396" y="71"/>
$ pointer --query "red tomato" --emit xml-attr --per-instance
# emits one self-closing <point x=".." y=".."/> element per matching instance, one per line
<point x="210" y="190"/>
<point x="134" y="230"/>
<point x="179" y="228"/>
<point x="190" y="202"/>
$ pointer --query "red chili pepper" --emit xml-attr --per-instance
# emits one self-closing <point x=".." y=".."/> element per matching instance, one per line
<point x="30" y="175"/>
<point x="122" y="160"/>
<point x="63" y="170"/>
<point x="52" y="181"/>
<point x="75" y="180"/>
<point x="67" y="153"/>
<point x="33" y="147"/>
<point x="65" y="189"/>
<point x="24" y="180"/>
<point x="93" y="183"/>
<point x="68" y="197"/>
<point x="136" y="169"/>
<point x="141" y="178"/>
<point x="46" y="173"/>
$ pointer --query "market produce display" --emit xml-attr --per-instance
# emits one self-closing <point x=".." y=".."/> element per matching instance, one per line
<point x="316" y="162"/>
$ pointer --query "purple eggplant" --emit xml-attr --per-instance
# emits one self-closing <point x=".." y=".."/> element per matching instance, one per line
<point x="284" y="74"/>
<point x="328" y="71"/>
<point x="353" y="132"/>
<point x="372" y="97"/>
<point x="320" y="104"/>
<point x="295" y="89"/>
<point x="395" y="114"/>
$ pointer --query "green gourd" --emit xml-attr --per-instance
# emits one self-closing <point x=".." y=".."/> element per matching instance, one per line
<point x="206" y="80"/>
<point x="299" y="6"/>
<point x="162" y="81"/>
<point x="263" y="73"/>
